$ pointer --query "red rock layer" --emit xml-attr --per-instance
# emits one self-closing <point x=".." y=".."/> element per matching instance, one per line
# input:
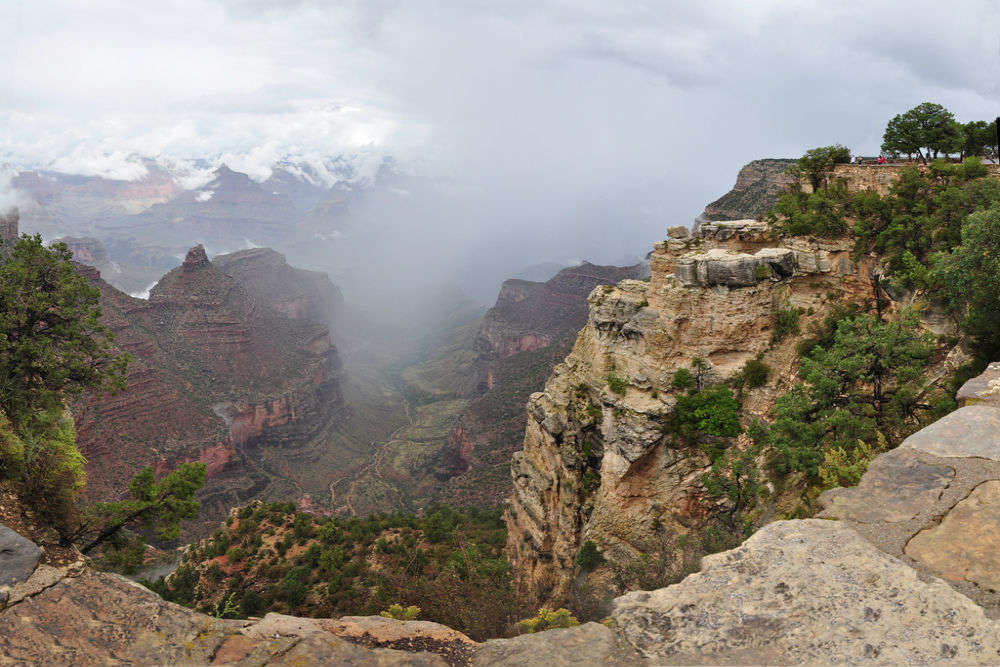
<point x="214" y="370"/>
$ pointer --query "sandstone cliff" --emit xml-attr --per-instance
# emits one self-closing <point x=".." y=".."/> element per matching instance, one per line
<point x="520" y="340"/>
<point x="757" y="186"/>
<point x="220" y="372"/>
<point x="598" y="463"/>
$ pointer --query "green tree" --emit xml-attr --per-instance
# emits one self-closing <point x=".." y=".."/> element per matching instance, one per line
<point x="979" y="139"/>
<point x="735" y="477"/>
<point x="923" y="214"/>
<point x="712" y="412"/>
<point x="863" y="383"/>
<point x="158" y="505"/>
<point x="926" y="130"/>
<point x="47" y="469"/>
<point x="970" y="281"/>
<point x="52" y="343"/>
<point x="817" y="164"/>
<point x="589" y="557"/>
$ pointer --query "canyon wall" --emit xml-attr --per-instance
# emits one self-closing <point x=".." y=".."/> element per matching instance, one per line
<point x="757" y="186"/>
<point x="596" y="462"/>
<point x="519" y="341"/>
<point x="221" y="370"/>
<point x="878" y="177"/>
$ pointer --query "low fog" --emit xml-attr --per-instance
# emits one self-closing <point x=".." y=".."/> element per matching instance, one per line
<point x="525" y="132"/>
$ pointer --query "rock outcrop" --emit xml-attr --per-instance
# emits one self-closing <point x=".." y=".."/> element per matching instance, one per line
<point x="220" y="373"/>
<point x="520" y="340"/>
<point x="295" y="293"/>
<point x="757" y="187"/>
<point x="596" y="463"/>
<point x="934" y="502"/>
<point x="806" y="592"/>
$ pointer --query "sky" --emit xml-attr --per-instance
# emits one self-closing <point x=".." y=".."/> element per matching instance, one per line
<point x="581" y="127"/>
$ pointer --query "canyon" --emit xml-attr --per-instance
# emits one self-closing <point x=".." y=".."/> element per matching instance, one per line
<point x="224" y="370"/>
<point x="908" y="579"/>
<point x="466" y="392"/>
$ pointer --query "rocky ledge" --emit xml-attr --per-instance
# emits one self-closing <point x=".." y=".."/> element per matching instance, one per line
<point x="72" y="615"/>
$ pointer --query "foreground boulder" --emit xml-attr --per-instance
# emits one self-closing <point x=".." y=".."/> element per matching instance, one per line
<point x="807" y="592"/>
<point x="103" y="619"/>
<point x="18" y="557"/>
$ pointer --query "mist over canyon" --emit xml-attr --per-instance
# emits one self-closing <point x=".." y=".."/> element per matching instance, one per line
<point x="549" y="333"/>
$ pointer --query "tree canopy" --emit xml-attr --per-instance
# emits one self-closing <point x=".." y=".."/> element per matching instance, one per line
<point x="927" y="130"/>
<point x="52" y="343"/>
<point x="969" y="278"/>
<point x="860" y="385"/>
<point x="53" y="346"/>
<point x="817" y="163"/>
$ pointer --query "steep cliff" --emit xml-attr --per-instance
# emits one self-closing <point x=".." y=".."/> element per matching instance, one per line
<point x="598" y="463"/>
<point x="757" y="186"/>
<point x="466" y="402"/>
<point x="520" y="340"/>
<point x="219" y="373"/>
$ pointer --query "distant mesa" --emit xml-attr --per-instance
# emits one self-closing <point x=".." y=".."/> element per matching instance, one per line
<point x="757" y="187"/>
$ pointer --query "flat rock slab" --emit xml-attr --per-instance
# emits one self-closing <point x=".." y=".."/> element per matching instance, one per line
<point x="103" y="619"/>
<point x="582" y="646"/>
<point x="971" y="431"/>
<point x="18" y="557"/>
<point x="983" y="389"/>
<point x="383" y="629"/>
<point x="896" y="487"/>
<point x="806" y="592"/>
<point x="965" y="546"/>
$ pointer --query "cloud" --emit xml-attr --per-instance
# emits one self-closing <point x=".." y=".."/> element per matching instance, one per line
<point x="563" y="127"/>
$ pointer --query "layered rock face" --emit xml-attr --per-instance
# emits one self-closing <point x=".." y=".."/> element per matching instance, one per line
<point x="877" y="177"/>
<point x="295" y="293"/>
<point x="218" y="372"/>
<point x="520" y="340"/>
<point x="595" y="463"/>
<point x="528" y="315"/>
<point x="757" y="187"/>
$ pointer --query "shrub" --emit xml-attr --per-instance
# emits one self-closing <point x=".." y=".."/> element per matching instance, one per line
<point x="786" y="323"/>
<point x="761" y="272"/>
<point x="617" y="384"/>
<point x="293" y="588"/>
<point x="755" y="373"/>
<point x="125" y="554"/>
<point x="588" y="557"/>
<point x="683" y="380"/>
<point x="236" y="554"/>
<point x="547" y="619"/>
<point x="397" y="612"/>
<point x="252" y="604"/>
<point x="842" y="468"/>
<point x="713" y="411"/>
